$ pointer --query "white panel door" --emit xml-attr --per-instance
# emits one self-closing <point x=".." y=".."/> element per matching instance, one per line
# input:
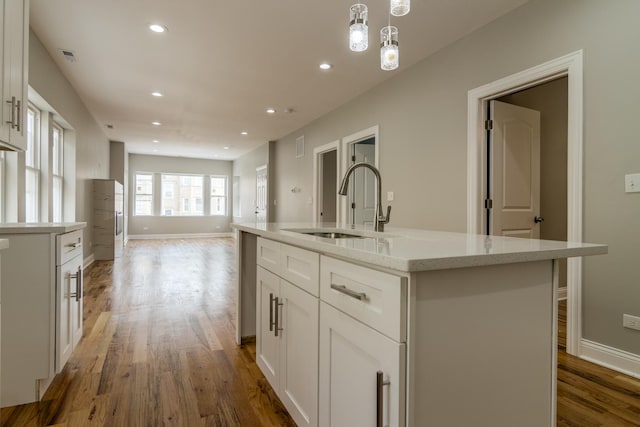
<point x="261" y="194"/>
<point x="363" y="192"/>
<point x="351" y="355"/>
<point x="515" y="170"/>
<point x="267" y="343"/>
<point x="299" y="355"/>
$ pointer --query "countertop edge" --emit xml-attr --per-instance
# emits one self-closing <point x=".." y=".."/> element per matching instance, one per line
<point x="435" y="263"/>
<point x="40" y="228"/>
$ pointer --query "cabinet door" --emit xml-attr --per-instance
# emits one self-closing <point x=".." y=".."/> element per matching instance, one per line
<point x="351" y="355"/>
<point x="65" y="285"/>
<point x="15" y="33"/>
<point x="267" y="344"/>
<point x="299" y="354"/>
<point x="75" y="302"/>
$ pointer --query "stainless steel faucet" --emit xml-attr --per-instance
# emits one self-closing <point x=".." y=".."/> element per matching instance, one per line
<point x="380" y="220"/>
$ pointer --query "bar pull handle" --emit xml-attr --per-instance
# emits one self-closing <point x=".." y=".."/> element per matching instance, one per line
<point x="18" y="115"/>
<point x="78" y="278"/>
<point x="353" y="294"/>
<point x="73" y="245"/>
<point x="271" y="299"/>
<point x="380" y="383"/>
<point x="277" y="320"/>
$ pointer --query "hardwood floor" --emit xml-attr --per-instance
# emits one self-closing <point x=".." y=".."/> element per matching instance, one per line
<point x="158" y="349"/>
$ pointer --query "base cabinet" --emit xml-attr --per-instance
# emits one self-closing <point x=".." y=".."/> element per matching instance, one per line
<point x="352" y="356"/>
<point x="287" y="344"/>
<point x="68" y="310"/>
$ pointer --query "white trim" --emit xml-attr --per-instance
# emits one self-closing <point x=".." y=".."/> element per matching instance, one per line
<point x="343" y="161"/>
<point x="609" y="357"/>
<point x="86" y="263"/>
<point x="177" y="236"/>
<point x="571" y="66"/>
<point x="317" y="185"/>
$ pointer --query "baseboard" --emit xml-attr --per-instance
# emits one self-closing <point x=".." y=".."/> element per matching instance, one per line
<point x="610" y="357"/>
<point x="88" y="261"/>
<point x="177" y="236"/>
<point x="562" y="293"/>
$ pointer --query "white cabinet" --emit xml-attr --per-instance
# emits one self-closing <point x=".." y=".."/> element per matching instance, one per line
<point x="41" y="317"/>
<point x="352" y="356"/>
<point x="287" y="327"/>
<point x="362" y="346"/>
<point x="14" y="56"/>
<point x="68" y="296"/>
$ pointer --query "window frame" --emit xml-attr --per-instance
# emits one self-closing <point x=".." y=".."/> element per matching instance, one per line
<point x="178" y="207"/>
<point x="57" y="171"/>
<point x="32" y="165"/>
<point x="137" y="193"/>
<point x="224" y="197"/>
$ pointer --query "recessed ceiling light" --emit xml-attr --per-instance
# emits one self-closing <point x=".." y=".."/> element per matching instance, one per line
<point x="226" y="148"/>
<point x="158" y="94"/>
<point x="325" y="66"/>
<point x="244" y="132"/>
<point x="155" y="141"/>
<point x="156" y="123"/>
<point x="158" y="28"/>
<point x="271" y="110"/>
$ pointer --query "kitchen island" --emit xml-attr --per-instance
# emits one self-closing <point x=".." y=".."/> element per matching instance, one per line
<point x="405" y="327"/>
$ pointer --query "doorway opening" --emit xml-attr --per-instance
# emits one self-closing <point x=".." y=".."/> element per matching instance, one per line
<point x="569" y="67"/>
<point x="325" y="183"/>
<point x="359" y="206"/>
<point x="262" y="194"/>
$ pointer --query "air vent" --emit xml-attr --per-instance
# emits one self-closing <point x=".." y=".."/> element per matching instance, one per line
<point x="68" y="55"/>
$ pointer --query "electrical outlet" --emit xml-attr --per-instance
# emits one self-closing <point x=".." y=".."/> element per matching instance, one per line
<point x="631" y="322"/>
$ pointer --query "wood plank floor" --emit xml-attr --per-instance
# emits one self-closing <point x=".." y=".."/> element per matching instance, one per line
<point x="158" y="349"/>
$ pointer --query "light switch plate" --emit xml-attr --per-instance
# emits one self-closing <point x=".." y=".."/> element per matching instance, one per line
<point x="632" y="183"/>
<point x="389" y="196"/>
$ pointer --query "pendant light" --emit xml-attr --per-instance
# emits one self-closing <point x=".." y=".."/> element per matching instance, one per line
<point x="400" y="7"/>
<point x="389" y="54"/>
<point x="358" y="29"/>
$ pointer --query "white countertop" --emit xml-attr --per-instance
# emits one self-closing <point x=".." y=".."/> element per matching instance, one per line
<point x="419" y="250"/>
<point x="4" y="243"/>
<point x="40" y="227"/>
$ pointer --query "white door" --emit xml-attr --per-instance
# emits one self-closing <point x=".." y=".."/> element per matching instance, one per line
<point x="351" y="355"/>
<point x="267" y="344"/>
<point x="261" y="194"/>
<point x="362" y="188"/>
<point x="514" y="179"/>
<point x="299" y="355"/>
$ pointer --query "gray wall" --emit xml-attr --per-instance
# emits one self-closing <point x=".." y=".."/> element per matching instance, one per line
<point x="166" y="225"/>
<point x="119" y="170"/>
<point x="91" y="144"/>
<point x="551" y="100"/>
<point x="422" y="113"/>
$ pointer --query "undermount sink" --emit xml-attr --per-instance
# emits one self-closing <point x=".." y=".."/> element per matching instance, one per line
<point x="331" y="234"/>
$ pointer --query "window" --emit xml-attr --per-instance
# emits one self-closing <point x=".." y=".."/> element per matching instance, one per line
<point x="144" y="194"/>
<point x="32" y="166"/>
<point x="218" y="195"/>
<point x="57" y="145"/>
<point x="186" y="190"/>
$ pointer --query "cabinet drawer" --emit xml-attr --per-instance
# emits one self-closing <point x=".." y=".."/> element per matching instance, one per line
<point x="268" y="255"/>
<point x="373" y="297"/>
<point x="68" y="246"/>
<point x="300" y="267"/>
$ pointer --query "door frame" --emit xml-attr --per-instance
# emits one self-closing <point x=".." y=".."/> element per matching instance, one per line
<point x="317" y="175"/>
<point x="264" y="167"/>
<point x="571" y="66"/>
<point x="343" y="163"/>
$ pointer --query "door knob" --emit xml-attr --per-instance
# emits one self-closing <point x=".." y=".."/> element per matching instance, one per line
<point x="538" y="219"/>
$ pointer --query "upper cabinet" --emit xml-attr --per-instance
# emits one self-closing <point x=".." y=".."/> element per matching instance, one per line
<point x="15" y="65"/>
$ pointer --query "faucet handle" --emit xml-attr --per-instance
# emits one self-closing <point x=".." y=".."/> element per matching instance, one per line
<point x="385" y="219"/>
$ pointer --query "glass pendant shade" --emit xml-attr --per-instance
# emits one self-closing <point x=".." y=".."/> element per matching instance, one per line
<point x="389" y="54"/>
<point x="400" y="7"/>
<point x="358" y="29"/>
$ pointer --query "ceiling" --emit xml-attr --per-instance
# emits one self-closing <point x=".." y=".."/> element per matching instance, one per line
<point x="221" y="64"/>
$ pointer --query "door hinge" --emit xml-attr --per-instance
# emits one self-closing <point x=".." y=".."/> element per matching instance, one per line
<point x="353" y="158"/>
<point x="353" y="205"/>
<point x="488" y="124"/>
<point x="488" y="204"/>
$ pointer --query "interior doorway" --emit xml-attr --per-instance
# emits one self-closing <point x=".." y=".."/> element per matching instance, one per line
<point x="325" y="183"/>
<point x="569" y="66"/>
<point x="261" y="194"/>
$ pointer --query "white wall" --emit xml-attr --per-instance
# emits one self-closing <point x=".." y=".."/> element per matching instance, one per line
<point x="167" y="225"/>
<point x="422" y="114"/>
<point x="91" y="144"/>
<point x="245" y="168"/>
